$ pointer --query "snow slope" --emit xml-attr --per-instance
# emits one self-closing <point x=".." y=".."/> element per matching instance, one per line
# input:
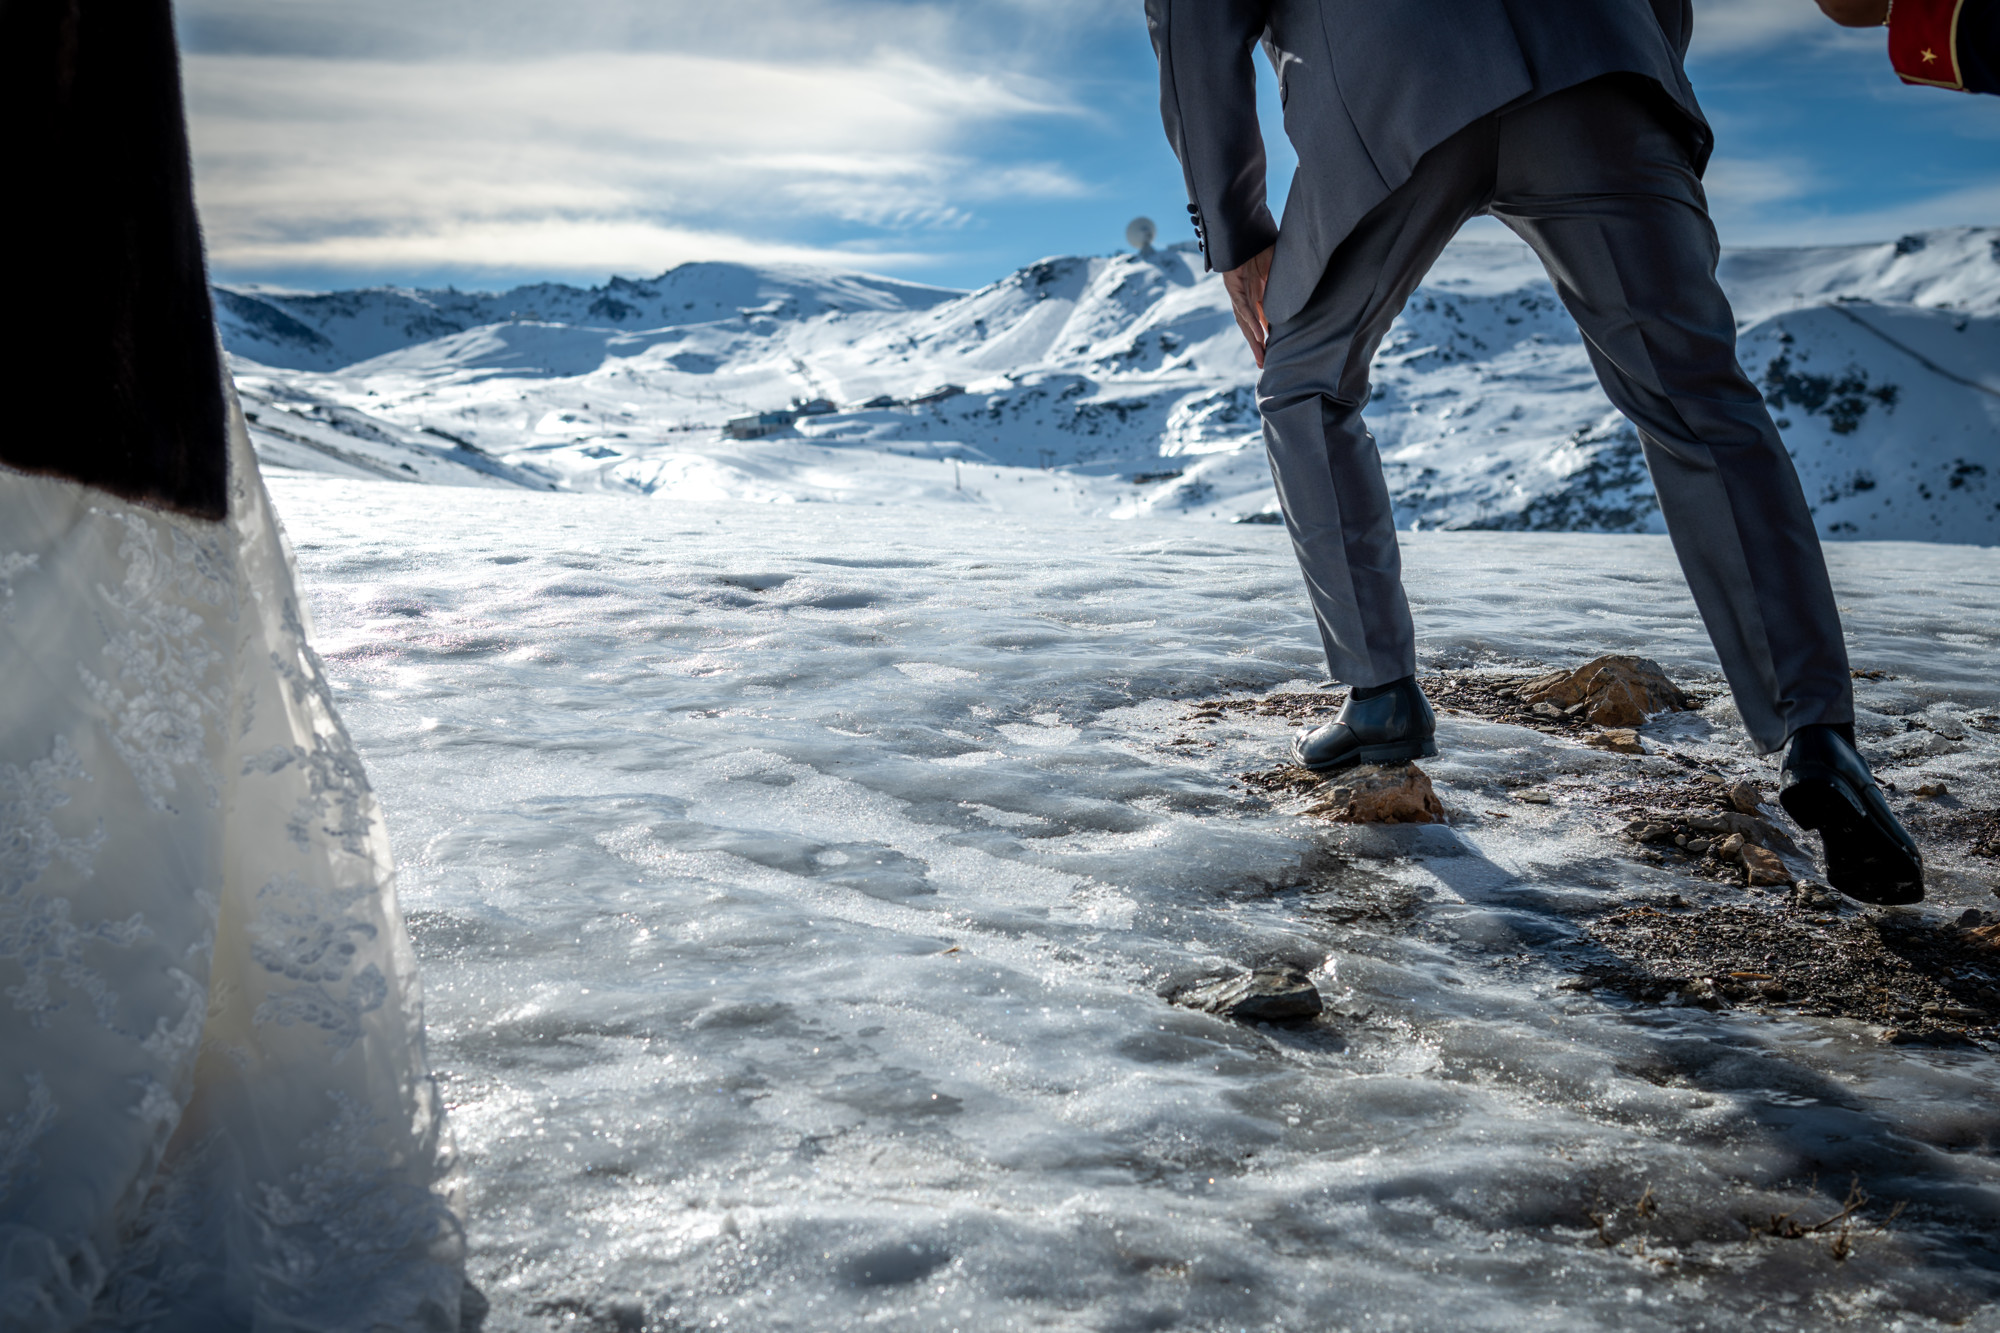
<point x="1119" y="386"/>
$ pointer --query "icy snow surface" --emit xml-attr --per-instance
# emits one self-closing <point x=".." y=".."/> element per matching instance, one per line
<point x="795" y="887"/>
<point x="1126" y="377"/>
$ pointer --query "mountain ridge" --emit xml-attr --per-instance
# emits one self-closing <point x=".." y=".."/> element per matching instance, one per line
<point x="331" y="330"/>
<point x="1881" y="361"/>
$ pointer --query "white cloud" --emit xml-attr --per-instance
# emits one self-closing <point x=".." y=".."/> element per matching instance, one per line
<point x="582" y="246"/>
<point x="597" y="161"/>
<point x="1748" y="187"/>
<point x="1973" y="206"/>
<point x="961" y="33"/>
<point x="1724" y="27"/>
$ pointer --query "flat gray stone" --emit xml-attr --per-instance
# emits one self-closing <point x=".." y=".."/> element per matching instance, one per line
<point x="1268" y="995"/>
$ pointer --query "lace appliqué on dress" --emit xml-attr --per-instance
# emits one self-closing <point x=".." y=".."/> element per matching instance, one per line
<point x="293" y="937"/>
<point x="336" y="791"/>
<point x="167" y="691"/>
<point x="29" y="842"/>
<point x="40" y="937"/>
<point x="347" y="1228"/>
<point x="11" y="564"/>
<point x="22" y="1130"/>
<point x="36" y="932"/>
<point x="172" y="1043"/>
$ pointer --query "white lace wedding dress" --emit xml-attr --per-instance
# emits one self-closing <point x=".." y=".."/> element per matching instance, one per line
<point x="215" y="1112"/>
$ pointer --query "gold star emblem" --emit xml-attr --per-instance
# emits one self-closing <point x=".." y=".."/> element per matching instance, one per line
<point x="1930" y="57"/>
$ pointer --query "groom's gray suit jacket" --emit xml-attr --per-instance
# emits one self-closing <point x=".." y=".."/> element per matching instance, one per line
<point x="1368" y="87"/>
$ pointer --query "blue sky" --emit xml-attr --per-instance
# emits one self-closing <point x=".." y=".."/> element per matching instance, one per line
<point x="489" y="142"/>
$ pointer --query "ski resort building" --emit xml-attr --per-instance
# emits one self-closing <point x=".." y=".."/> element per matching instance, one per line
<point x="759" y="424"/>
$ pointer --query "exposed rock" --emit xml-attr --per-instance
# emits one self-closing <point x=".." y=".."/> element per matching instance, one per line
<point x="1751" y="828"/>
<point x="1267" y="995"/>
<point x="1746" y="797"/>
<point x="1548" y="688"/>
<point x="1702" y="992"/>
<point x="1396" y="794"/>
<point x="1614" y="691"/>
<point x="1623" y="740"/>
<point x="1763" y="866"/>
<point x="1767" y="835"/>
<point x="1717" y="843"/>
<point x="1290" y="780"/>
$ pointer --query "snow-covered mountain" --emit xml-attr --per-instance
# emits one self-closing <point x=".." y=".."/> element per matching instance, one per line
<point x="1118" y="385"/>
<point x="328" y="330"/>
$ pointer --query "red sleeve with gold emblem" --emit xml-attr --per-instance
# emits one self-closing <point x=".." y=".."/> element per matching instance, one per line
<point x="1923" y="42"/>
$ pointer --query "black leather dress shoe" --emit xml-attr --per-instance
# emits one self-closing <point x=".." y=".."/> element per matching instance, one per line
<point x="1827" y="787"/>
<point x="1392" y="727"/>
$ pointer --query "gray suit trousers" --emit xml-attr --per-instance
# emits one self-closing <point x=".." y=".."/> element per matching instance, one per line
<point x="1598" y="180"/>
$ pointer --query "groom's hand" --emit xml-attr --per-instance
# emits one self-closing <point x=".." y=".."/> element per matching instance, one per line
<point x="1856" y="13"/>
<point x="1246" y="296"/>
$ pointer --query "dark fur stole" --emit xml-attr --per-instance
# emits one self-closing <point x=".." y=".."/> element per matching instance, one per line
<point x="107" y="345"/>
